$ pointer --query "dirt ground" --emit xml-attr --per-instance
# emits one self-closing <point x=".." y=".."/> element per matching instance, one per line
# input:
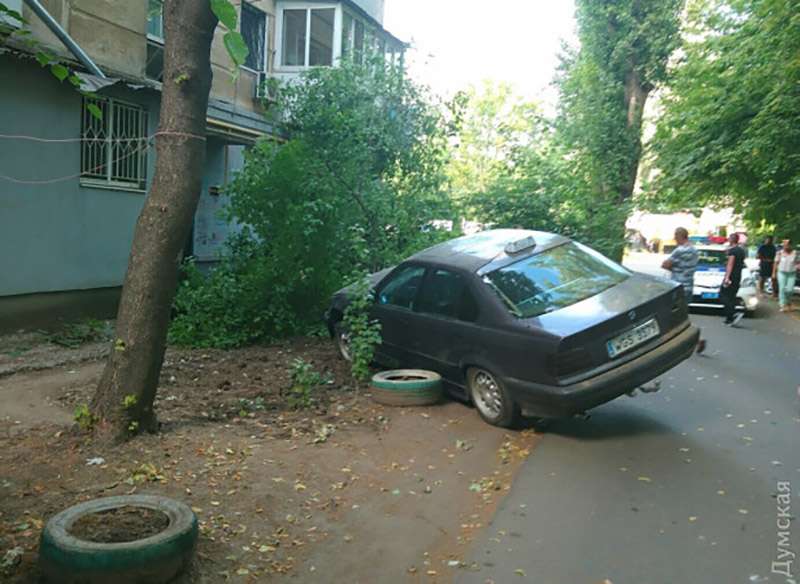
<point x="342" y="491"/>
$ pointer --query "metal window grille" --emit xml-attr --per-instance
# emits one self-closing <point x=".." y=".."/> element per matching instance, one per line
<point x="254" y="31"/>
<point x="114" y="146"/>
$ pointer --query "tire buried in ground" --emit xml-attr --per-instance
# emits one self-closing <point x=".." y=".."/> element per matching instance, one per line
<point x="66" y="559"/>
<point x="407" y="387"/>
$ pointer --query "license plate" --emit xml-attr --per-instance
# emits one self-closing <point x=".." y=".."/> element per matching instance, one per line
<point x="633" y="338"/>
<point x="710" y="295"/>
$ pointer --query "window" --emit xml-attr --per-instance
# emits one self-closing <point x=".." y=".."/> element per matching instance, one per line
<point x="155" y="19"/>
<point x="402" y="289"/>
<point x="308" y="35"/>
<point x="347" y="35"/>
<point x="294" y="38"/>
<point x="554" y="279"/>
<point x="320" y="51"/>
<point x="254" y="31"/>
<point x="358" y="42"/>
<point x="154" y="69"/>
<point x="114" y="147"/>
<point x="446" y="294"/>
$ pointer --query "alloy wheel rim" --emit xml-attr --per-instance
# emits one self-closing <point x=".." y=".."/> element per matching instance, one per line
<point x="487" y="394"/>
<point x="344" y="346"/>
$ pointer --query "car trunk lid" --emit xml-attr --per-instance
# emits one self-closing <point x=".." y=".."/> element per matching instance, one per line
<point x="587" y="326"/>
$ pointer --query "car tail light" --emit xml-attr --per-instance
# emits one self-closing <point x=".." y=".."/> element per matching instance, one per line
<point x="570" y="362"/>
<point x="679" y="308"/>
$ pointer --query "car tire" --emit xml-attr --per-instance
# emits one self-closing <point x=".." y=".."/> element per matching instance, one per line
<point x="342" y="339"/>
<point x="158" y="559"/>
<point x="407" y="387"/>
<point x="492" y="400"/>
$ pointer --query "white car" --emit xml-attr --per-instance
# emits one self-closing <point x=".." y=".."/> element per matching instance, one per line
<point x="708" y="280"/>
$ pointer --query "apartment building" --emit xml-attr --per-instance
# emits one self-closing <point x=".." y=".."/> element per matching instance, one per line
<point x="72" y="185"/>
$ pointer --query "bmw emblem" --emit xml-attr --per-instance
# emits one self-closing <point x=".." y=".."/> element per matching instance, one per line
<point x="632" y="315"/>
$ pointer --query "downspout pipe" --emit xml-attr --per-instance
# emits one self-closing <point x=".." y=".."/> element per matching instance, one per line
<point x="57" y="30"/>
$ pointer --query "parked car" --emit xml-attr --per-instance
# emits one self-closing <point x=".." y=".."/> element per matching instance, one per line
<point x="525" y="322"/>
<point x="710" y="274"/>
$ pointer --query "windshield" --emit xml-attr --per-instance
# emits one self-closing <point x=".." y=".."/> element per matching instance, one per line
<point x="554" y="279"/>
<point x="711" y="257"/>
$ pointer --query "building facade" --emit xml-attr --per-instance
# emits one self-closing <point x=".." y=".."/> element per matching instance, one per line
<point x="72" y="184"/>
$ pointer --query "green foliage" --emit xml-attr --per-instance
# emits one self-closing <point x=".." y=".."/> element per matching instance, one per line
<point x="603" y="86"/>
<point x="129" y="401"/>
<point x="730" y="131"/>
<point x="232" y="39"/>
<point x="492" y="126"/>
<point x="75" y="334"/>
<point x="84" y="417"/>
<point x="353" y="187"/>
<point x="513" y="169"/>
<point x="305" y="380"/>
<point x="235" y="304"/>
<point x="364" y="334"/>
<point x="250" y="406"/>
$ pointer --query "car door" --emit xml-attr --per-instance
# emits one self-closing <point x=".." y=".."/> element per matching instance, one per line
<point x="393" y="308"/>
<point x="443" y="327"/>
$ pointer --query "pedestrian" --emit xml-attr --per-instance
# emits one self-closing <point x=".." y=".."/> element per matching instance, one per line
<point x="732" y="280"/>
<point x="785" y="271"/>
<point x="766" y="260"/>
<point x="682" y="264"/>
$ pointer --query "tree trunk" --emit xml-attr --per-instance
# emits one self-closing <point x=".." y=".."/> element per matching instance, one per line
<point x="123" y="401"/>
<point x="636" y="94"/>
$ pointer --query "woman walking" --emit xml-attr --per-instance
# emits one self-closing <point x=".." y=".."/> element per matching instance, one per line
<point x="785" y="270"/>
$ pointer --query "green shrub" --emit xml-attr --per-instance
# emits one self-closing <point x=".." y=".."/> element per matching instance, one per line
<point x="305" y="380"/>
<point x="365" y="334"/>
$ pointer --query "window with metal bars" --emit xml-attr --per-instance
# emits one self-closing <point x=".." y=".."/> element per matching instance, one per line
<point x="254" y="31"/>
<point x="114" y="145"/>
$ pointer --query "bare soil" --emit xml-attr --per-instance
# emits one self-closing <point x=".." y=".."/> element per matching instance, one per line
<point x="120" y="525"/>
<point x="345" y="490"/>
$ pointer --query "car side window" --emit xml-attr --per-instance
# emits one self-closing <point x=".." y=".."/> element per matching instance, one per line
<point x="446" y="293"/>
<point x="401" y="290"/>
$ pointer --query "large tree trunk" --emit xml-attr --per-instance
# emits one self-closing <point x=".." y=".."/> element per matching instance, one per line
<point x="636" y="94"/>
<point x="134" y="365"/>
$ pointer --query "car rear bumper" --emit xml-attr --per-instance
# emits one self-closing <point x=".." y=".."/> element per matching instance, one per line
<point x="548" y="401"/>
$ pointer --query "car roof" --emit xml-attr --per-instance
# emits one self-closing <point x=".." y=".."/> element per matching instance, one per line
<point x="486" y="249"/>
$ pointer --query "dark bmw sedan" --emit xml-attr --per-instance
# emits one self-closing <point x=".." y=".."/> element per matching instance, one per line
<point x="526" y="323"/>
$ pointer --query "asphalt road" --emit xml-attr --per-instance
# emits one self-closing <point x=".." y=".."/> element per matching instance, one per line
<point x="675" y="487"/>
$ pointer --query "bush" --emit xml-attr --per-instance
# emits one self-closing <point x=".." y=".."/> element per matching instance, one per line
<point x="350" y="191"/>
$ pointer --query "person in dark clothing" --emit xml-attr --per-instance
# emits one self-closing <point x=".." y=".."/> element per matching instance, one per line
<point x="766" y="261"/>
<point x="732" y="280"/>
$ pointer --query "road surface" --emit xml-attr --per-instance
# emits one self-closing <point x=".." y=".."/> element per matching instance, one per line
<point x="678" y="487"/>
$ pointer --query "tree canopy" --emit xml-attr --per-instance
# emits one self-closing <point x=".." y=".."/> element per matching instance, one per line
<point x="624" y="49"/>
<point x="730" y="129"/>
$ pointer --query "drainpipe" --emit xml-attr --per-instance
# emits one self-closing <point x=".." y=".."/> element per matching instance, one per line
<point x="57" y="30"/>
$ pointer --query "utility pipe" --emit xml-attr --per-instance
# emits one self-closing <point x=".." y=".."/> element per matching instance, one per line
<point x="57" y="30"/>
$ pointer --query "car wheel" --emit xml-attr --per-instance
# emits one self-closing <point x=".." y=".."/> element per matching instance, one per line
<point x="491" y="398"/>
<point x="342" y="338"/>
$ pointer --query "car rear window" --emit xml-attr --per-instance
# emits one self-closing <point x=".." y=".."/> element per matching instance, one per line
<point x="554" y="279"/>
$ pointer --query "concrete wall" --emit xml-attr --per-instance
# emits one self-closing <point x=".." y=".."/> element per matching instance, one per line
<point x="114" y="34"/>
<point x="58" y="236"/>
